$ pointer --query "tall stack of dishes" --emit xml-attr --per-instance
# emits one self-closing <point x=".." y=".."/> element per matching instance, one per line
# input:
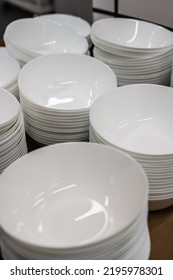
<point x="137" y="51"/>
<point x="12" y="131"/>
<point x="56" y="101"/>
<point x="137" y="119"/>
<point x="93" y="205"/>
<point x="9" y="71"/>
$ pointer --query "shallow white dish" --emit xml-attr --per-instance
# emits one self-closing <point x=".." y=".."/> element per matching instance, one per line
<point x="92" y="205"/>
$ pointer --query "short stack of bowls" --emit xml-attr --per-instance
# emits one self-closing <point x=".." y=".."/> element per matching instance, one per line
<point x="28" y="38"/>
<point x="9" y="71"/>
<point x="12" y="132"/>
<point x="137" y="51"/>
<point x="56" y="100"/>
<point x="77" y="24"/>
<point x="74" y="201"/>
<point x="138" y="119"/>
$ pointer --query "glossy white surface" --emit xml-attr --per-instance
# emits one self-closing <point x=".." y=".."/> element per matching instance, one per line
<point x="132" y="33"/>
<point x="69" y="81"/>
<point x="137" y="248"/>
<point x="77" y="24"/>
<point x="9" y="70"/>
<point x="9" y="108"/>
<point x="136" y="118"/>
<point x="3" y="51"/>
<point x="38" y="37"/>
<point x="65" y="203"/>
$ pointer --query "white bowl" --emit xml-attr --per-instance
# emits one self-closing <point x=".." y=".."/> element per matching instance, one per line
<point x="137" y="119"/>
<point x="71" y="195"/>
<point x="38" y="37"/>
<point x="132" y="34"/>
<point x="68" y="81"/>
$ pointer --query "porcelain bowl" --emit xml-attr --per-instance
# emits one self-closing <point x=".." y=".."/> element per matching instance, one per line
<point x="37" y="37"/>
<point x="71" y="195"/>
<point x="132" y="34"/>
<point x="137" y="119"/>
<point x="66" y="82"/>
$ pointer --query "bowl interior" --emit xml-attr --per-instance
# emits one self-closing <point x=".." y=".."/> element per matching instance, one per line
<point x="132" y="33"/>
<point x="79" y="25"/>
<point x="70" y="195"/>
<point x="136" y="118"/>
<point x="37" y="37"/>
<point x="68" y="81"/>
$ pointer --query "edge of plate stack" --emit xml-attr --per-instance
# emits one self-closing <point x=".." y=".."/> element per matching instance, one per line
<point x="12" y="132"/>
<point x="9" y="71"/>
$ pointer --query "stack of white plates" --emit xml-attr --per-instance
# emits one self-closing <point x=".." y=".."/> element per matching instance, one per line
<point x="137" y="51"/>
<point x="79" y="25"/>
<point x="12" y="132"/>
<point x="74" y="201"/>
<point x="28" y="38"/>
<point x="9" y="71"/>
<point x="138" y="120"/>
<point x="57" y="99"/>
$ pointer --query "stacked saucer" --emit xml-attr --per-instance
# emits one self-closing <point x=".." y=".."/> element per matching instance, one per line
<point x="12" y="132"/>
<point x="137" y="51"/>
<point x="74" y="201"/>
<point x="28" y="38"/>
<point x="56" y="100"/>
<point x="79" y="25"/>
<point x="9" y="71"/>
<point x="138" y="119"/>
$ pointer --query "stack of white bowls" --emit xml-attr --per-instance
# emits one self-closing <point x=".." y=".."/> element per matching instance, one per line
<point x="9" y="71"/>
<point x="57" y="99"/>
<point x="137" y="51"/>
<point x="12" y="132"/>
<point x="74" y="201"/>
<point x="77" y="24"/>
<point x="28" y="38"/>
<point x="138" y="119"/>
